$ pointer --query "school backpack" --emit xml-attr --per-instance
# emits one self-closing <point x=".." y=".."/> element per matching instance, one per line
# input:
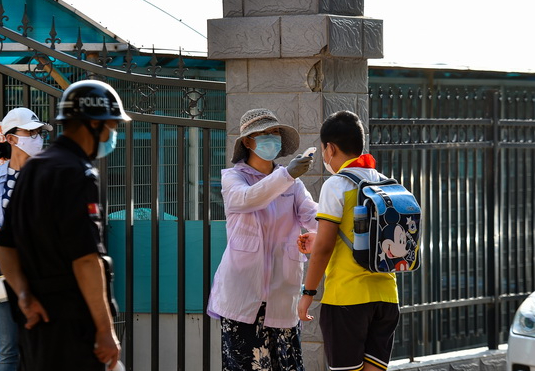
<point x="394" y="226"/>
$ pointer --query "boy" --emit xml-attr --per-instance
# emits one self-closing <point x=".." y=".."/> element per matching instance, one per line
<point x="360" y="309"/>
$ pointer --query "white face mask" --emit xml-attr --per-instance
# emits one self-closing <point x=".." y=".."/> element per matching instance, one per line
<point x="31" y="146"/>
<point x="328" y="166"/>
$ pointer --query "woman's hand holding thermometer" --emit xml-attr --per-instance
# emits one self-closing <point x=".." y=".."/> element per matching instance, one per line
<point x="302" y="163"/>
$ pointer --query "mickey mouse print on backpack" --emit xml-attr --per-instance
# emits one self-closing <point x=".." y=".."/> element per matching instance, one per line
<point x="393" y="228"/>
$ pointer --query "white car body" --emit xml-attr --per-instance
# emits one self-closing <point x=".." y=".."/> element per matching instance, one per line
<point x="521" y="344"/>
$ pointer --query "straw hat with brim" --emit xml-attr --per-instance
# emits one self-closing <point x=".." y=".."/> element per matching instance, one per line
<point x="258" y="120"/>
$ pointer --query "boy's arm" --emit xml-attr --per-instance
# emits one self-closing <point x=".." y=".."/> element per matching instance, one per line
<point x="321" y="254"/>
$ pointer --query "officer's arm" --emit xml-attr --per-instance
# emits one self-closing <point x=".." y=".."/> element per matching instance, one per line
<point x="29" y="305"/>
<point x="89" y="273"/>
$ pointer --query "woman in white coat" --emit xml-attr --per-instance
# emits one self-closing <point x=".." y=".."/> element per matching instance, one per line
<point x="257" y="285"/>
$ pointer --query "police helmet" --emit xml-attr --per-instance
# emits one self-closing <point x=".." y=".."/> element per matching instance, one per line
<point x="91" y="99"/>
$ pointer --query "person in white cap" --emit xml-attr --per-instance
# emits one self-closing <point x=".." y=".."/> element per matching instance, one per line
<point x="257" y="284"/>
<point x="23" y="133"/>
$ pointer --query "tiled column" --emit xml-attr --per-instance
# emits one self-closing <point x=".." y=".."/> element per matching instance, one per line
<point x="304" y="60"/>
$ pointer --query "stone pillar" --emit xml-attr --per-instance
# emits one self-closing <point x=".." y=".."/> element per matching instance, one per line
<point x="304" y="60"/>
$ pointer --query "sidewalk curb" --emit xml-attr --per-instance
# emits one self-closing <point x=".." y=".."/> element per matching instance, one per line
<point x="486" y="360"/>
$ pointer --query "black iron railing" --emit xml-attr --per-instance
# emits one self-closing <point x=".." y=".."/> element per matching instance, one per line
<point x="475" y="181"/>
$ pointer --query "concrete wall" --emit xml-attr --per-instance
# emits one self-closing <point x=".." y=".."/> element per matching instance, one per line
<point x="313" y="351"/>
<point x="168" y="342"/>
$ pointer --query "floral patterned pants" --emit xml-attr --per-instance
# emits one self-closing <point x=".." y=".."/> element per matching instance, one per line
<point x="253" y="347"/>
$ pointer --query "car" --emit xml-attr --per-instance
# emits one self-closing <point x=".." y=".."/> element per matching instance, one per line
<point x="521" y="344"/>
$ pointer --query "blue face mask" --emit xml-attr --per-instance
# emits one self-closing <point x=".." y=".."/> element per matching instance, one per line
<point x="107" y="147"/>
<point x="267" y="146"/>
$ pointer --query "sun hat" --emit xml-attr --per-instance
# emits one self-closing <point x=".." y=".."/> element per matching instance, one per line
<point x="22" y="118"/>
<point x="258" y="120"/>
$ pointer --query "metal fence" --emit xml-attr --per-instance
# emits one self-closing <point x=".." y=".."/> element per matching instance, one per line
<point x="475" y="180"/>
<point x="162" y="169"/>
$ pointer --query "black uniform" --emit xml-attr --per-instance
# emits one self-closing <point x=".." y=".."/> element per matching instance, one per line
<point x="53" y="218"/>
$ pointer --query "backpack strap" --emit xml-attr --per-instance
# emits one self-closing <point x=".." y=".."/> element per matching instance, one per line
<point x="344" y="238"/>
<point x="355" y="179"/>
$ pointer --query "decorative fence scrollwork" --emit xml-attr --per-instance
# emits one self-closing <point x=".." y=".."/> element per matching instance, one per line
<point x="469" y="102"/>
<point x="192" y="93"/>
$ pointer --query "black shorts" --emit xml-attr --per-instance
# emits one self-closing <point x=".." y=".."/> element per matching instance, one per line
<point x="355" y="334"/>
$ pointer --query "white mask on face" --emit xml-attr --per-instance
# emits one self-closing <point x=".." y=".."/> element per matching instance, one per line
<point x="31" y="146"/>
<point x="328" y="166"/>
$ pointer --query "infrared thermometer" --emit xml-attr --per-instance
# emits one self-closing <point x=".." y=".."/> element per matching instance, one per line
<point x="309" y="152"/>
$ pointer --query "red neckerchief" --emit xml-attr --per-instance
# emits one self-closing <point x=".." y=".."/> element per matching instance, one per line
<point x="366" y="161"/>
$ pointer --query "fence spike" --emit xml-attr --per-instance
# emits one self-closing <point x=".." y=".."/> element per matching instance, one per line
<point x="78" y="50"/>
<point x="128" y="65"/>
<point x="25" y="23"/>
<point x="154" y="69"/>
<point x="104" y="59"/>
<point x="180" y="70"/>
<point x="53" y="39"/>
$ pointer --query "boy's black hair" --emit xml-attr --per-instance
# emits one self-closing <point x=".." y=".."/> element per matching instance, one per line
<point x="344" y="129"/>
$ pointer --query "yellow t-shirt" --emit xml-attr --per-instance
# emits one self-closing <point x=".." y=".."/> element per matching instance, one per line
<point x="346" y="282"/>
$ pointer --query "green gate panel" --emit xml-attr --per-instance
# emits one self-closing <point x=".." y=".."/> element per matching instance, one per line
<point x="168" y="262"/>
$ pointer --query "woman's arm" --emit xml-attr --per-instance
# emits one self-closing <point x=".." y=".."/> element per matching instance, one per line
<point x="240" y="197"/>
<point x="306" y="207"/>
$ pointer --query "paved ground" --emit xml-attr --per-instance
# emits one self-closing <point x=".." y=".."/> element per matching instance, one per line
<point x="480" y="359"/>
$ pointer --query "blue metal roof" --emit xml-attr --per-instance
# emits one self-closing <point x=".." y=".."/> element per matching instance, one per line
<point x="40" y="14"/>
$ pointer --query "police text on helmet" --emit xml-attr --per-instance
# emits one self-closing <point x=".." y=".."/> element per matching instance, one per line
<point x="94" y="102"/>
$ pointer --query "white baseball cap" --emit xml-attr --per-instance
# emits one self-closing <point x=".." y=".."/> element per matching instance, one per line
<point x="22" y="118"/>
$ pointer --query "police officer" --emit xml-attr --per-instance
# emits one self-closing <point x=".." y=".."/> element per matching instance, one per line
<point x="51" y="242"/>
